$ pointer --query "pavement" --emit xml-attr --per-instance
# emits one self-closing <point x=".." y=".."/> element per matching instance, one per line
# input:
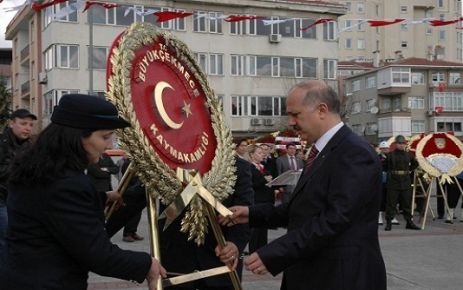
<point x="430" y="259"/>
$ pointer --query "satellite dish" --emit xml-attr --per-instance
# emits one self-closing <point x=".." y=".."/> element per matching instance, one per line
<point x="374" y="110"/>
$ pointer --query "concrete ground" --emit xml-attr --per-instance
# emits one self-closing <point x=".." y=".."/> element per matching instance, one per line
<point x="415" y="260"/>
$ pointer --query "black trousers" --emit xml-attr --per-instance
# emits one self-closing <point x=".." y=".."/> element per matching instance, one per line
<point x="453" y="195"/>
<point x="135" y="202"/>
<point x="401" y="196"/>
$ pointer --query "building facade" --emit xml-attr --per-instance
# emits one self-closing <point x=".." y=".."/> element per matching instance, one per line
<point x="249" y="65"/>
<point x="359" y="41"/>
<point x="406" y="97"/>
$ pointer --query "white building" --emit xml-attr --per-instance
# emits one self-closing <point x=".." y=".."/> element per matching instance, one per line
<point x="250" y="66"/>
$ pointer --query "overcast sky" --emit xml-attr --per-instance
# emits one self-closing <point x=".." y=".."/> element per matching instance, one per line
<point x="5" y="18"/>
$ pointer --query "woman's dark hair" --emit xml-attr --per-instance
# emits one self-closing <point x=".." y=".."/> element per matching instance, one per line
<point x="57" y="149"/>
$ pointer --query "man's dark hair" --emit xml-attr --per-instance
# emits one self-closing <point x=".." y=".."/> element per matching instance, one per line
<point x="57" y="150"/>
<point x="319" y="92"/>
<point x="291" y="144"/>
<point x="238" y="141"/>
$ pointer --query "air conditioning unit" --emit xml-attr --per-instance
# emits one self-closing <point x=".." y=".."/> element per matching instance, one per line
<point x="43" y="78"/>
<point x="256" y="122"/>
<point x="269" y="122"/>
<point x="274" y="38"/>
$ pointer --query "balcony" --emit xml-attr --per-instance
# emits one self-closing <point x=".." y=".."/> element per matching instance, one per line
<point x="393" y="90"/>
<point x="25" y="88"/>
<point x="24" y="53"/>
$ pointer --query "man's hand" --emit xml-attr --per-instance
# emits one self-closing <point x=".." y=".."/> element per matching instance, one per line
<point x="240" y="216"/>
<point x="254" y="264"/>
<point x="114" y="197"/>
<point x="153" y="274"/>
<point x="228" y="255"/>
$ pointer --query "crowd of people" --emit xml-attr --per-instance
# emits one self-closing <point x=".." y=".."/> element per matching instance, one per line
<point x="58" y="185"/>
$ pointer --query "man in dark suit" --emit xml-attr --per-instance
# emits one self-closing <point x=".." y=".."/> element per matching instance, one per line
<point x="269" y="162"/>
<point x="183" y="256"/>
<point x="289" y="162"/>
<point x="332" y="240"/>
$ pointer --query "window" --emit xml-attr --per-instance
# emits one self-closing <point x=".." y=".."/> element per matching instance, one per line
<point x="455" y="78"/>
<point x="360" y="43"/>
<point x="329" y="68"/>
<point x="54" y="12"/>
<point x="404" y="44"/>
<point x="238" y="65"/>
<point x="396" y="104"/>
<point x="329" y="30"/>
<point x="441" y="34"/>
<point x="429" y="31"/>
<point x="450" y="101"/>
<point x="347" y="25"/>
<point x="370" y="104"/>
<point x="377" y="10"/>
<point x="215" y="64"/>
<point x="417" y="126"/>
<point x="449" y="126"/>
<point x="361" y="25"/>
<point x="348" y="6"/>
<point x="49" y="58"/>
<point x="371" y="82"/>
<point x="416" y="102"/>
<point x="287" y="67"/>
<point x="386" y="104"/>
<point x="348" y="43"/>
<point x="438" y="77"/>
<point x="258" y="106"/>
<point x="356" y="85"/>
<point x="252" y="60"/>
<point x="417" y="78"/>
<point x="207" y="22"/>
<point x="275" y="66"/>
<point x="400" y="75"/>
<point x="440" y="3"/>
<point x="201" y="58"/>
<point x="403" y="9"/>
<point x="51" y="99"/>
<point x="356" y="108"/>
<point x="360" y="7"/>
<point x="404" y="26"/>
<point x="263" y="66"/>
<point x="100" y="55"/>
<point x="68" y="56"/>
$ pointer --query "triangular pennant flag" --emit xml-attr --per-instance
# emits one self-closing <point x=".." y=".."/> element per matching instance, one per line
<point x="88" y="4"/>
<point x="169" y="15"/>
<point x="275" y="21"/>
<point x="236" y="18"/>
<point x="377" y="23"/>
<point x="444" y="22"/>
<point x="318" y="21"/>
<point x="37" y="6"/>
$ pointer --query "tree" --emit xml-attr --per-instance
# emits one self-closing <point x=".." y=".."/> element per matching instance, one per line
<point x="5" y="102"/>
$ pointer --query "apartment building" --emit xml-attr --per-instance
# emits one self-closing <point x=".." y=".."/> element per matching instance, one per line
<point x="249" y="65"/>
<point x="359" y="41"/>
<point x="406" y="97"/>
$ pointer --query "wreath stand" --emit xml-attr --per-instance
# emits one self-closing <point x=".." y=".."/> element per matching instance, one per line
<point x="194" y="188"/>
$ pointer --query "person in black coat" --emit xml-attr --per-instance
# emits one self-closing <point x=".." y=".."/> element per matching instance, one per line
<point x="100" y="173"/>
<point x="56" y="231"/>
<point x="183" y="256"/>
<point x="332" y="240"/>
<point x="14" y="140"/>
<point x="262" y="194"/>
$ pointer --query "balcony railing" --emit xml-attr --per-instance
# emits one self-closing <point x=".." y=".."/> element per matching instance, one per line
<point x="25" y="53"/>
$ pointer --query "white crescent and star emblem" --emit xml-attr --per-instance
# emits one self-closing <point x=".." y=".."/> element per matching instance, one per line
<point x="158" y="90"/>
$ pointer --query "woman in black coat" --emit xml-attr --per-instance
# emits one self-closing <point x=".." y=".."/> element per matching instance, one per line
<point x="56" y="233"/>
<point x="262" y="193"/>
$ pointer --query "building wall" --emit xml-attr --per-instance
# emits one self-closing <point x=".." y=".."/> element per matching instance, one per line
<point x="76" y="33"/>
<point x="419" y="40"/>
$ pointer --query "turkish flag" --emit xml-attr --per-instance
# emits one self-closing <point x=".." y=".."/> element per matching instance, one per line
<point x="88" y="4"/>
<point x="439" y="109"/>
<point x="318" y="21"/>
<point x="444" y="22"/>
<point x="38" y="6"/>
<point x="377" y="23"/>
<point x="169" y="15"/>
<point x="236" y="18"/>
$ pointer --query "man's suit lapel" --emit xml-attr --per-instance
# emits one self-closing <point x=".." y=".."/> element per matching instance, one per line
<point x="318" y="162"/>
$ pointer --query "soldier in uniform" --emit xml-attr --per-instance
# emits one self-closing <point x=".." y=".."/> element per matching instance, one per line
<point x="398" y="165"/>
